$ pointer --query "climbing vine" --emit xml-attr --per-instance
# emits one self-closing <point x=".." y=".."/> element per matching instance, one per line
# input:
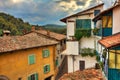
<point x="95" y="31"/>
<point x="79" y="33"/>
<point x="87" y="52"/>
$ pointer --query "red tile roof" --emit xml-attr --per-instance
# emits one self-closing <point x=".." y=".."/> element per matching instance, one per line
<point x="50" y="34"/>
<point x="110" y="41"/>
<point x="87" y="74"/>
<point x="30" y="40"/>
<point x="80" y="13"/>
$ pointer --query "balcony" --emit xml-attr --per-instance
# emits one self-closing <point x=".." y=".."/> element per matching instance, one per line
<point x="72" y="48"/>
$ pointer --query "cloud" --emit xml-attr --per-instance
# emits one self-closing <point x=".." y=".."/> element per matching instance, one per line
<point x="71" y="6"/>
<point x="44" y="11"/>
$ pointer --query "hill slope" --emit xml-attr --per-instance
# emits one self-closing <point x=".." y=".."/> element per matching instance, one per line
<point x="15" y="25"/>
<point x="55" y="28"/>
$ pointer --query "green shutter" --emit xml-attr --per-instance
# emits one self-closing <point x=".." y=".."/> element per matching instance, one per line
<point x="83" y="23"/>
<point x="46" y="53"/>
<point x="31" y="59"/>
<point x="48" y="68"/>
<point x="36" y="76"/>
<point x="57" y="62"/>
<point x="29" y="78"/>
<point x="44" y="69"/>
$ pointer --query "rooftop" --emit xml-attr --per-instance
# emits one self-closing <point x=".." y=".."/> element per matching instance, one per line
<point x="111" y="41"/>
<point x="50" y="34"/>
<point x="31" y="40"/>
<point x="87" y="74"/>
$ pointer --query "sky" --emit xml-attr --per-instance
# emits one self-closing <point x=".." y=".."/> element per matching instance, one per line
<point x="41" y="12"/>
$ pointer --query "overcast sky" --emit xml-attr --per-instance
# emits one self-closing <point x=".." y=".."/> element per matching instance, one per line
<point x="46" y="11"/>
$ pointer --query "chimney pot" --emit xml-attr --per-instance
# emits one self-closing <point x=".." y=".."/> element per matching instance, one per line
<point x="6" y="33"/>
<point x="48" y="32"/>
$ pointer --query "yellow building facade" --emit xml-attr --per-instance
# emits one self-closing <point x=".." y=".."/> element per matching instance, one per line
<point x="15" y="65"/>
<point x="114" y="61"/>
<point x="28" y="57"/>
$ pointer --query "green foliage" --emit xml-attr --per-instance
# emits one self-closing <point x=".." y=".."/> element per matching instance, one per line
<point x="87" y="52"/>
<point x="98" y="58"/>
<point x="104" y="53"/>
<point x="15" y="25"/>
<point x="101" y="65"/>
<point x="95" y="31"/>
<point x="79" y="33"/>
<point x="57" y="30"/>
<point x="1" y="32"/>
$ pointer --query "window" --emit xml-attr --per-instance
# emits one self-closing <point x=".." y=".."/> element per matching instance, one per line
<point x="46" y="68"/>
<point x="83" y="23"/>
<point x="31" y="59"/>
<point x="96" y="12"/>
<point x="46" y="53"/>
<point x="33" y="77"/>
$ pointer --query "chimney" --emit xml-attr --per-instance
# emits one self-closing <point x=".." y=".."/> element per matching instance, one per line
<point x="33" y="28"/>
<point x="48" y="32"/>
<point x="6" y="33"/>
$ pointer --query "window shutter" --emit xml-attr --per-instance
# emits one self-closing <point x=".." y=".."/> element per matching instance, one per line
<point x="31" y="59"/>
<point x="57" y="62"/>
<point x="46" y="53"/>
<point x="83" y="23"/>
<point x="36" y="76"/>
<point x="48" y="68"/>
<point x="44" y="69"/>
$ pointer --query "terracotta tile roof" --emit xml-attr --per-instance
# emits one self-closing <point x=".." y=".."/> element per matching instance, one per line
<point x="87" y="74"/>
<point x="30" y="40"/>
<point x="50" y="34"/>
<point x="110" y="41"/>
<point x="80" y="13"/>
<point x="103" y="12"/>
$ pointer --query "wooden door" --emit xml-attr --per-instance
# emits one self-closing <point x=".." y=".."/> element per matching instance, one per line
<point x="82" y="65"/>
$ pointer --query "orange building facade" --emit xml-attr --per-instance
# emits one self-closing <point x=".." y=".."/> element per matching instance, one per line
<point x="33" y="63"/>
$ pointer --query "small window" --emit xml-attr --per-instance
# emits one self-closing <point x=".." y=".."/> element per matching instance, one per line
<point x="46" y="68"/>
<point x="31" y="59"/>
<point x="33" y="77"/>
<point x="46" y="53"/>
<point x="96" y="12"/>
